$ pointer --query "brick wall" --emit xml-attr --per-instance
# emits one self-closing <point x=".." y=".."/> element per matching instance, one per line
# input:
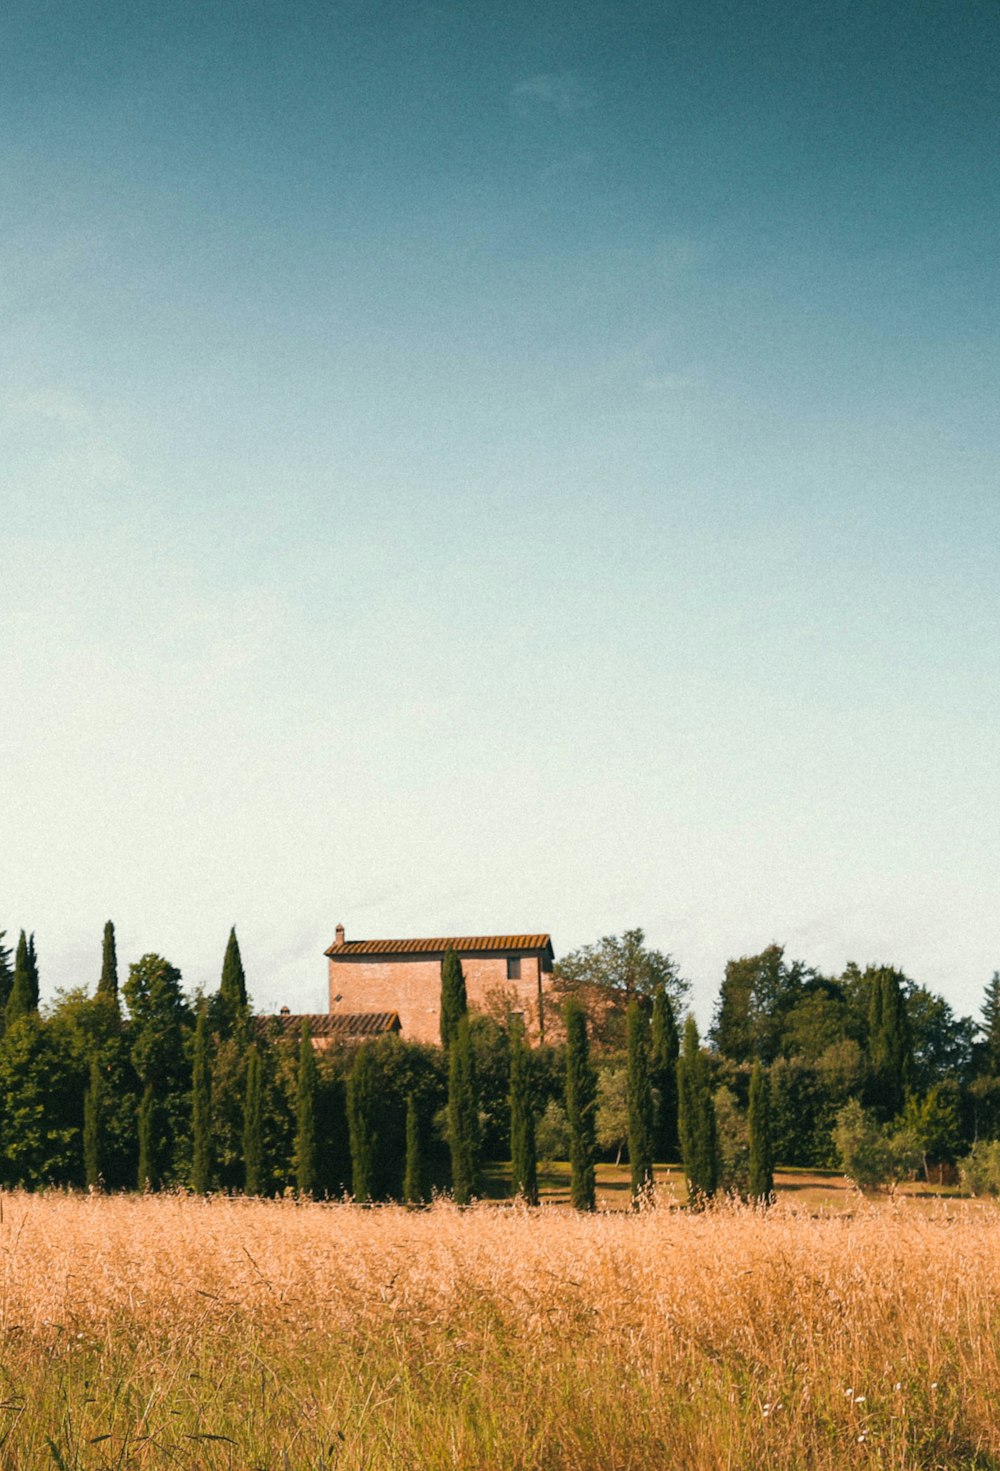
<point x="411" y="985"/>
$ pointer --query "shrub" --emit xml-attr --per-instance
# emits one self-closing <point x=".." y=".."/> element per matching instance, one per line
<point x="873" y="1156"/>
<point x="979" y="1171"/>
<point x="552" y="1133"/>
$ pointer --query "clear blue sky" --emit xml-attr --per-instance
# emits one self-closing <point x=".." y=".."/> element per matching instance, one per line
<point x="473" y="467"/>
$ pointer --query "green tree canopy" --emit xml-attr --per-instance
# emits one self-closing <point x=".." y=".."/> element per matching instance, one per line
<point x="756" y="994"/>
<point x="24" y="989"/>
<point x="605" y="977"/>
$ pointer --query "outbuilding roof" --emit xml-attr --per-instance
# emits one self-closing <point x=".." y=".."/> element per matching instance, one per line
<point x="462" y="943"/>
<point x="340" y="1026"/>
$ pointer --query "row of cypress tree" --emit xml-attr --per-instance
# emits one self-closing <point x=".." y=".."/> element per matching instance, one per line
<point x="216" y="1102"/>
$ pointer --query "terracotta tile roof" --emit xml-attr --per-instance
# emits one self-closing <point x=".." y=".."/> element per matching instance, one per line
<point x="341" y="1026"/>
<point x="463" y="943"/>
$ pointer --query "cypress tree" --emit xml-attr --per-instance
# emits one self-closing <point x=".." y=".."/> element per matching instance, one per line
<point x="93" y="1128"/>
<point x="990" y="1024"/>
<point x="454" y="1003"/>
<point x="305" y="1116"/>
<point x="33" y="973"/>
<point x="253" y="1125"/>
<point x="23" y="997"/>
<point x="639" y="1096"/>
<point x="761" y="1186"/>
<point x="147" y="1175"/>
<point x="889" y="1047"/>
<point x="581" y="1108"/>
<point x="413" y="1179"/>
<point x="463" y="1116"/>
<point x="663" y="1053"/>
<point x="232" y="998"/>
<point x="6" y="974"/>
<point x="201" y="1107"/>
<point x="696" y="1117"/>
<point x="524" y="1160"/>
<point x="108" y="984"/>
<point x="362" y="1123"/>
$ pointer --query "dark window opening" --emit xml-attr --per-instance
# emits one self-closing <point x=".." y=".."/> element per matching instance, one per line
<point x="513" y="967"/>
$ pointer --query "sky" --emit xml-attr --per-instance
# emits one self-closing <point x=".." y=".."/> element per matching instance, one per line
<point x="474" y="468"/>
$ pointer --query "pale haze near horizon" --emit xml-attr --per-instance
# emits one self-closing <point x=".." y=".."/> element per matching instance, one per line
<point x="470" y="472"/>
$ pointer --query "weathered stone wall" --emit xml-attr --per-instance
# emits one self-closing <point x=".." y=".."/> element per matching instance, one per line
<point x="411" y="985"/>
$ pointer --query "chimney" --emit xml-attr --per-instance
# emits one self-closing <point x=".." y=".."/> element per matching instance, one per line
<point x="340" y="934"/>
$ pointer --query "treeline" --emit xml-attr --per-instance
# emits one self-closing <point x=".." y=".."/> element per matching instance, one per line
<point x="142" y="1086"/>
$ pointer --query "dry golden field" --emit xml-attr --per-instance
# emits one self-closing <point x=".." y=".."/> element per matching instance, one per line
<point x="177" y="1332"/>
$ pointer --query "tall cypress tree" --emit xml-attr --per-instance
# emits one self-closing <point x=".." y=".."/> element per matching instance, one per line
<point x="523" y="1156"/>
<point x="639" y="1097"/>
<point x="93" y="1128"/>
<point x="454" y="1003"/>
<point x="761" y="1185"/>
<point x="33" y="972"/>
<point x="232" y="998"/>
<point x="413" y="1178"/>
<point x="990" y="1025"/>
<point x="6" y="974"/>
<point x="663" y="1053"/>
<point x="147" y="1175"/>
<point x="581" y="1108"/>
<point x="108" y="984"/>
<point x="463" y="1116"/>
<point x="305" y="1116"/>
<point x="362" y="1123"/>
<point x="159" y="1022"/>
<point x="696" y="1117"/>
<point x="890" y="1050"/>
<point x="253" y="1125"/>
<point x="23" y="997"/>
<point x="201" y="1107"/>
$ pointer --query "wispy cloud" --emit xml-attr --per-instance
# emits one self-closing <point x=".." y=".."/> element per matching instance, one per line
<point x="560" y="92"/>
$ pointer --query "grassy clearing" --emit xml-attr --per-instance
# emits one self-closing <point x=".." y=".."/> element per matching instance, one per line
<point x="235" y="1334"/>
<point x="817" y="1190"/>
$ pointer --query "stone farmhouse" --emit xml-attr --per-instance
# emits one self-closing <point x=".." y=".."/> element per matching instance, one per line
<point x="399" y="981"/>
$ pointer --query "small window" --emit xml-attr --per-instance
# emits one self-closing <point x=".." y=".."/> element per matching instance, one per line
<point x="513" y="967"/>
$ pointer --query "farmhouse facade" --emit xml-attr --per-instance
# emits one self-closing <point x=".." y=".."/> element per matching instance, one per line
<point x="503" y="973"/>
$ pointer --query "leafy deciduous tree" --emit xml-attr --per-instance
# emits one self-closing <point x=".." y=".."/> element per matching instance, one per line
<point x="605" y="977"/>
